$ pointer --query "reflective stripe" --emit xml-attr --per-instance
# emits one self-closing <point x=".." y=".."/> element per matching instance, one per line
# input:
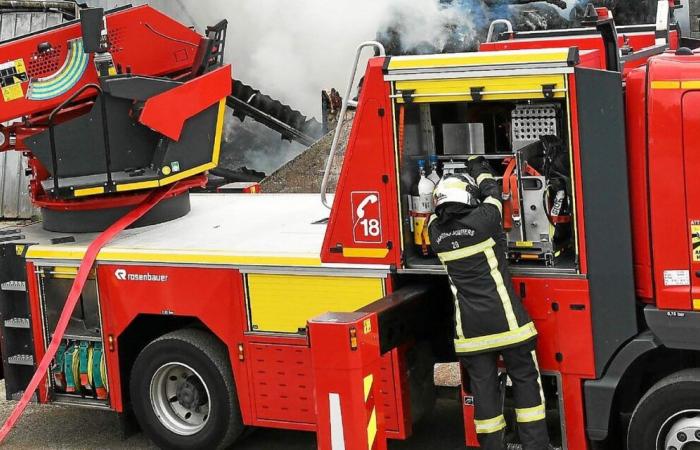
<point x="490" y="425"/>
<point x="525" y="415"/>
<point x="458" y="313"/>
<point x="482" y="177"/>
<point x="494" y="341"/>
<point x="472" y="158"/>
<point x="336" y="413"/>
<point x="495" y="202"/>
<point x="466" y="252"/>
<point x="430" y="221"/>
<point x="501" y="289"/>
<point x="539" y="377"/>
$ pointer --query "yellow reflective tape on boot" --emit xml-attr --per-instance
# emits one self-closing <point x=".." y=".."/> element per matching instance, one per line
<point x="466" y="252"/>
<point x="525" y="415"/>
<point x="501" y="289"/>
<point x="490" y="425"/>
<point x="494" y="341"/>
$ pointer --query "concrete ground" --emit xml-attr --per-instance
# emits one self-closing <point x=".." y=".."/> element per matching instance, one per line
<point x="60" y="427"/>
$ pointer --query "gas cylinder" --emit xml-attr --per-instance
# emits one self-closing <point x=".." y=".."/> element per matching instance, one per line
<point x="422" y="209"/>
<point x="434" y="176"/>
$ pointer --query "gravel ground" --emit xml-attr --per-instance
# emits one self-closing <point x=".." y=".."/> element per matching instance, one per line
<point x="61" y="427"/>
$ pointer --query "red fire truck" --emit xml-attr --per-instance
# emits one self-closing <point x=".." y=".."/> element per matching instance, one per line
<point x="220" y="311"/>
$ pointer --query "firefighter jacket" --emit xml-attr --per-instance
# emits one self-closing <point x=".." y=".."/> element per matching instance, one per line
<point x="471" y="243"/>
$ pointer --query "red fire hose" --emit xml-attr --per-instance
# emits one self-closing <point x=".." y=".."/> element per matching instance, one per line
<point x="73" y="296"/>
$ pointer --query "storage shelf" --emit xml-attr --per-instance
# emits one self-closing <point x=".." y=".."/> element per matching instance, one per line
<point x="17" y="322"/>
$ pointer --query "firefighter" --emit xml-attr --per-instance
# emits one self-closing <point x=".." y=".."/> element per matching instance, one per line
<point x="466" y="233"/>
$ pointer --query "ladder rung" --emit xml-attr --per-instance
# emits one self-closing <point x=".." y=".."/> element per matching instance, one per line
<point x="17" y="322"/>
<point x="22" y="360"/>
<point x="19" y="286"/>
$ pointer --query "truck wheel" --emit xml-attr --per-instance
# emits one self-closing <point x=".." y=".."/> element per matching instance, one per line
<point x="183" y="394"/>
<point x="668" y="416"/>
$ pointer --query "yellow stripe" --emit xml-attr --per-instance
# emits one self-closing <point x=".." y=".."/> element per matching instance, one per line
<point x="695" y="84"/>
<point x="377" y="253"/>
<point x="665" y="84"/>
<point x="482" y="177"/>
<point x="458" y="314"/>
<point x="89" y="191"/>
<point x="219" y="132"/>
<point x="495" y="202"/>
<point x="501" y="288"/>
<point x="43" y="252"/>
<point x="369" y="379"/>
<point x="466" y="252"/>
<point x="479" y="59"/>
<point x="696" y="303"/>
<point x="491" y="88"/>
<point x="187" y="173"/>
<point x="372" y="428"/>
<point x="490" y="425"/>
<point x="137" y="186"/>
<point x="526" y="415"/>
<point x="494" y="341"/>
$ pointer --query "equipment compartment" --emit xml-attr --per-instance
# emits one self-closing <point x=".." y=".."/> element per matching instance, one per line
<point x="527" y="144"/>
<point x="78" y="373"/>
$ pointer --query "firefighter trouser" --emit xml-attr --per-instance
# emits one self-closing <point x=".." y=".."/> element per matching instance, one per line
<point x="521" y="365"/>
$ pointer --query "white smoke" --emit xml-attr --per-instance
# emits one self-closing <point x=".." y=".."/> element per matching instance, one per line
<point x="292" y="49"/>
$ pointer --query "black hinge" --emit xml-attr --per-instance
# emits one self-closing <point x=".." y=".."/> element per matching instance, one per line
<point x="407" y="95"/>
<point x="477" y="93"/>
<point x="381" y="112"/>
<point x="548" y="90"/>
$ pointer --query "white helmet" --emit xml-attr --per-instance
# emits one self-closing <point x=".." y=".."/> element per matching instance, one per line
<point x="456" y="188"/>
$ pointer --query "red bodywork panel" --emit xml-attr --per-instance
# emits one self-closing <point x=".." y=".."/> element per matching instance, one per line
<point x="674" y="190"/>
<point x="636" y="41"/>
<point x="638" y="182"/>
<point x="369" y="169"/>
<point x="124" y="300"/>
<point x="167" y="113"/>
<point x="171" y="48"/>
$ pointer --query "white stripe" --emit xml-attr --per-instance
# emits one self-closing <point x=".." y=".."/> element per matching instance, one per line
<point x="337" y="434"/>
<point x="539" y="376"/>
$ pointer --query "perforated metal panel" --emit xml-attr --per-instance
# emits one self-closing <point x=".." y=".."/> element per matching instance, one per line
<point x="530" y="122"/>
<point x="14" y="182"/>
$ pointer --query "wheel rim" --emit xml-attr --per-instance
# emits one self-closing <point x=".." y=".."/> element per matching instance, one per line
<point x="180" y="398"/>
<point x="681" y="431"/>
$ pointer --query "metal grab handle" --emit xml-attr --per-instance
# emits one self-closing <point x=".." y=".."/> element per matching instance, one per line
<point x="492" y="28"/>
<point x="341" y="117"/>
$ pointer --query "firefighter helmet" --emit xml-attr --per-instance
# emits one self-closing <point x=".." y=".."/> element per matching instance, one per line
<point x="456" y="188"/>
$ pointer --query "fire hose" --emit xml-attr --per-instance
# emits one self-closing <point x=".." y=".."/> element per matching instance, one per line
<point x="73" y="296"/>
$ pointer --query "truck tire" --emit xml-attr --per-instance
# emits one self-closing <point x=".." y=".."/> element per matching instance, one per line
<point x="668" y="415"/>
<point x="183" y="394"/>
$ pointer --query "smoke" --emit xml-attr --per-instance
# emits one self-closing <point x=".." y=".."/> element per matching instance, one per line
<point x="291" y="50"/>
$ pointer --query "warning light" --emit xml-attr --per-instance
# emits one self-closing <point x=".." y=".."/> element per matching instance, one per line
<point x="353" y="338"/>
